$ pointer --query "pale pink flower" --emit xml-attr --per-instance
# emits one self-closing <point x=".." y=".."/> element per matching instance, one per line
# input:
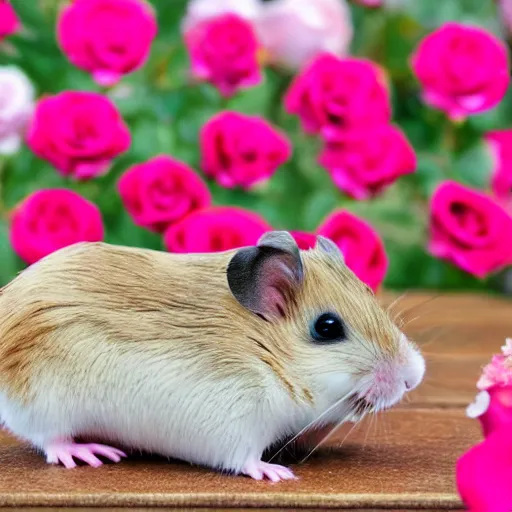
<point x="16" y="107"/>
<point x="294" y="31"/>
<point x="201" y="10"/>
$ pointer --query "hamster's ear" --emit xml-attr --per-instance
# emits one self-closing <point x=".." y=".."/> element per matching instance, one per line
<point x="264" y="278"/>
<point x="329" y="247"/>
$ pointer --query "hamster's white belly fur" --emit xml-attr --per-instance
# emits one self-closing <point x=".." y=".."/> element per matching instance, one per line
<point x="152" y="404"/>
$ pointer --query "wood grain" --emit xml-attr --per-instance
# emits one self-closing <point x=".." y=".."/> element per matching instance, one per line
<point x="402" y="460"/>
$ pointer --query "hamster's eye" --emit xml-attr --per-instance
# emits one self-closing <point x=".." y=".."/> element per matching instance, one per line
<point x="329" y="327"/>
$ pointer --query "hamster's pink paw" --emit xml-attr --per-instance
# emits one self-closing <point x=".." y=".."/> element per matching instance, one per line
<point x="260" y="470"/>
<point x="65" y="451"/>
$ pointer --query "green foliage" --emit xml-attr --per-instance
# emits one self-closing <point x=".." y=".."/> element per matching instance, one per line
<point x="165" y="112"/>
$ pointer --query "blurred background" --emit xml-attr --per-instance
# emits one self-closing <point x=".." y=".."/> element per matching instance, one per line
<point x="165" y="112"/>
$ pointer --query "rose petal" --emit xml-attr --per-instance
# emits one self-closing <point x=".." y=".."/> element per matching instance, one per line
<point x="479" y="406"/>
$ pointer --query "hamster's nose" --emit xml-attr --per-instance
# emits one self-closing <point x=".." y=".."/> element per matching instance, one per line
<point x="414" y="370"/>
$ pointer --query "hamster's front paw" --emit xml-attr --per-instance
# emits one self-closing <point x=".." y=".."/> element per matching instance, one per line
<point x="65" y="451"/>
<point x="260" y="470"/>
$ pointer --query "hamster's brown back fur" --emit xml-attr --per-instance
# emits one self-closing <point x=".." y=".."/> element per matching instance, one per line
<point x="124" y="295"/>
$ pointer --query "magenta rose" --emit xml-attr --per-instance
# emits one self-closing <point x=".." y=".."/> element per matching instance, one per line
<point x="215" y="229"/>
<point x="360" y="244"/>
<point x="224" y="51"/>
<point x="333" y="95"/>
<point x="78" y="132"/>
<point x="364" y="163"/>
<point x="304" y="240"/>
<point x="161" y="192"/>
<point x="469" y="229"/>
<point x="9" y="22"/>
<point x="107" y="38"/>
<point x="295" y="31"/>
<point x="49" y="220"/>
<point x="463" y="70"/>
<point x="241" y="151"/>
<point x="500" y="142"/>
<point x="484" y="472"/>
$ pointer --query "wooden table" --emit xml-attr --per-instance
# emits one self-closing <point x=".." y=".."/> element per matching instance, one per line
<point x="403" y="461"/>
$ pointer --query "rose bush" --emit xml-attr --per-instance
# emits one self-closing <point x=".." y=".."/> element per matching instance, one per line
<point x="463" y="69"/>
<point x="162" y="191"/>
<point x="470" y="229"/>
<point x="79" y="133"/>
<point x="241" y="151"/>
<point x="107" y="38"/>
<point x="215" y="229"/>
<point x="227" y="88"/>
<point x="49" y="220"/>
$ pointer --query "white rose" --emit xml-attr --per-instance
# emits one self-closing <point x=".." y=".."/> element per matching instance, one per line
<point x="16" y="107"/>
<point x="294" y="31"/>
<point x="200" y="10"/>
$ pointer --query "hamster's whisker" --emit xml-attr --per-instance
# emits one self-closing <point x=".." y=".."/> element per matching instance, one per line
<point x="327" y="437"/>
<point x="420" y="305"/>
<point x="441" y="331"/>
<point x="396" y="301"/>
<point x="372" y="418"/>
<point x="409" y="321"/>
<point x="308" y="426"/>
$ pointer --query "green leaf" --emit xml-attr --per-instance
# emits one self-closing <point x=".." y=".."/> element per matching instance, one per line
<point x="474" y="166"/>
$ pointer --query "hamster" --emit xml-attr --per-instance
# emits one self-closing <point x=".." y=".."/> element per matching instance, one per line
<point x="207" y="358"/>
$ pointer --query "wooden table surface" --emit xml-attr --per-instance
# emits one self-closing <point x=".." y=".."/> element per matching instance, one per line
<point x="402" y="460"/>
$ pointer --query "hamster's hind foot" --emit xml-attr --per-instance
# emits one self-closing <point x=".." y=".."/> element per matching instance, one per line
<point x="65" y="451"/>
<point x="260" y="470"/>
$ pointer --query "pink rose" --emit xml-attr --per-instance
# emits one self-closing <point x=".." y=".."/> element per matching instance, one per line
<point x="360" y="244"/>
<point x="78" y="132"/>
<point x="215" y="229"/>
<point x="500" y="142"/>
<point x="9" y="22"/>
<point x="469" y="229"/>
<point x="304" y="240"/>
<point x="162" y="191"/>
<point x="499" y="371"/>
<point x="241" y="151"/>
<point x="498" y="409"/>
<point x="484" y="474"/>
<point x="364" y="163"/>
<point x="108" y="38"/>
<point x="295" y="31"/>
<point x="463" y="70"/>
<point x="49" y="220"/>
<point x="224" y="51"/>
<point x="332" y="96"/>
